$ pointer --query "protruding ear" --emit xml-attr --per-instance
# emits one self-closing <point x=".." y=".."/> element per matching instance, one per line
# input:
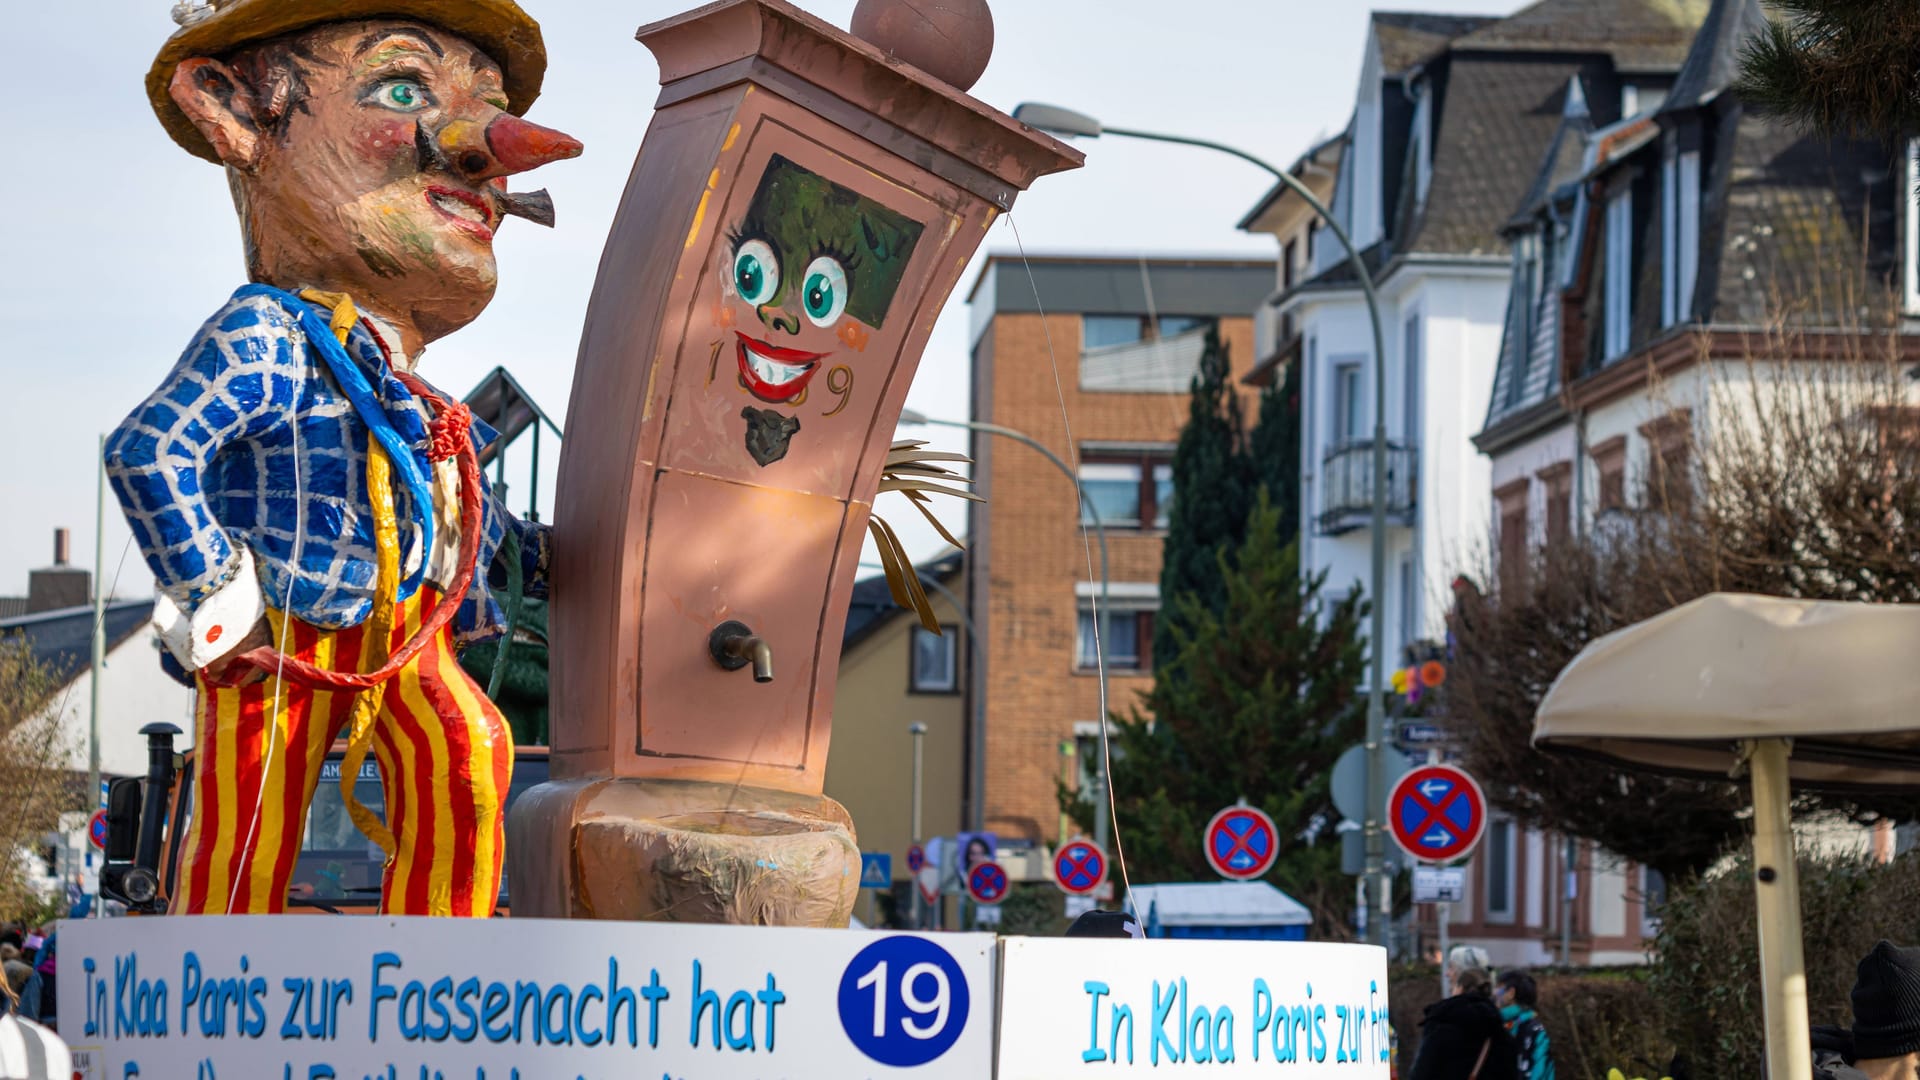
<point x="221" y="106"/>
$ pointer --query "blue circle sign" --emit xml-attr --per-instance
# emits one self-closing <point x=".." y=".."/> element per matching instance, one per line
<point x="1436" y="813"/>
<point x="916" y="858"/>
<point x="987" y="883"/>
<point x="903" y="1001"/>
<point x="1241" y="843"/>
<point x="1080" y="868"/>
<point x="97" y="830"/>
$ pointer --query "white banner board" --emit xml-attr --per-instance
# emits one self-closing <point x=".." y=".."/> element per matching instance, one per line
<point x="317" y="998"/>
<point x="1086" y="1006"/>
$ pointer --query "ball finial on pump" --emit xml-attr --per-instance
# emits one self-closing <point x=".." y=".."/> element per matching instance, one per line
<point x="951" y="40"/>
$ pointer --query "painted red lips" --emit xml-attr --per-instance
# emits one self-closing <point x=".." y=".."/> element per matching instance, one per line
<point x="460" y="207"/>
<point x="773" y="373"/>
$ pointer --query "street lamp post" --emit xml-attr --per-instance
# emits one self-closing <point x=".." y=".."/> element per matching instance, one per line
<point x="977" y="671"/>
<point x="919" y="733"/>
<point x="1066" y="122"/>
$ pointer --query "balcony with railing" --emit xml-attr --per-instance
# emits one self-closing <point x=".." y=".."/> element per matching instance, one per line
<point x="1346" y="486"/>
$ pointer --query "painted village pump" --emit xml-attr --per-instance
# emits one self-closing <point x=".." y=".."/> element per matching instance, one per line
<point x="801" y="209"/>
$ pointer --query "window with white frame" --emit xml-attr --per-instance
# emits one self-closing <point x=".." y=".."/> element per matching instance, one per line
<point x="1422" y="149"/>
<point x="934" y="666"/>
<point x="1409" y="603"/>
<point x="1618" y="289"/>
<point x="1125" y="634"/>
<point x="1912" y="237"/>
<point x="1497" y="854"/>
<point x="1410" y="382"/>
<point x="1680" y="233"/>
<point x="1346" y="401"/>
<point x="1653" y="899"/>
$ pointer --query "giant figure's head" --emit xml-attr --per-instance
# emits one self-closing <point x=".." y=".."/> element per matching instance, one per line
<point x="367" y="142"/>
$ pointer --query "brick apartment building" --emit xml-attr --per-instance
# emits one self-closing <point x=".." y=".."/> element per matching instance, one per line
<point x="1127" y="334"/>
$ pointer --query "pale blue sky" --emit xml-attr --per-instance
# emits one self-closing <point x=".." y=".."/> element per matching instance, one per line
<point x="115" y="245"/>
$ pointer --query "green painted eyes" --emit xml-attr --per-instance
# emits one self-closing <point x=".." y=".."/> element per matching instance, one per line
<point x="756" y="272"/>
<point x="824" y="291"/>
<point x="403" y="95"/>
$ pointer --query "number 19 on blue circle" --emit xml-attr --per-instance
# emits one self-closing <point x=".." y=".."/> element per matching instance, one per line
<point x="903" y="1001"/>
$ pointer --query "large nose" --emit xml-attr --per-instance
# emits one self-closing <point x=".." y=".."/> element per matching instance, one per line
<point x="502" y="146"/>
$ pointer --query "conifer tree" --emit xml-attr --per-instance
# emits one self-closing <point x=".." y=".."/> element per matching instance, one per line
<point x="1212" y="492"/>
<point x="1839" y="67"/>
<point x="1275" y="446"/>
<point x="1256" y="700"/>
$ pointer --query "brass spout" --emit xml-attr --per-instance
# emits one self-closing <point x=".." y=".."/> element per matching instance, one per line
<point x="734" y="645"/>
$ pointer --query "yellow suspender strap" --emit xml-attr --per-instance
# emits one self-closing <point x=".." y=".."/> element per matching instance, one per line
<point x="377" y="635"/>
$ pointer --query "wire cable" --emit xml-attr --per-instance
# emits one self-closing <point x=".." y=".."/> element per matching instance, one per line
<point x="1086" y="544"/>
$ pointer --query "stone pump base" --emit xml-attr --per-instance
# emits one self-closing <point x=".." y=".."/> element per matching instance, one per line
<point x="682" y="851"/>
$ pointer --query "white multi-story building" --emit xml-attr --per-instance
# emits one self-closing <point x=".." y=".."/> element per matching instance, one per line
<point x="1448" y="125"/>
<point x="1451" y="121"/>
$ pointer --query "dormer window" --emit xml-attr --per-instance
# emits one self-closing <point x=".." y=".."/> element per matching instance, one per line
<point x="1637" y="98"/>
<point x="1680" y="232"/>
<point x="1618" y="287"/>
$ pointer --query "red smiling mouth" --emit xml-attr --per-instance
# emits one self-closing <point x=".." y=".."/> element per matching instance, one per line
<point x="468" y="211"/>
<point x="773" y="373"/>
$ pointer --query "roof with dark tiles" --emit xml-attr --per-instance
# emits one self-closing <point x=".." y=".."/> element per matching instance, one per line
<point x="1713" y="61"/>
<point x="1500" y="112"/>
<point x="63" y="640"/>
<point x="1640" y="35"/>
<point x="1411" y="38"/>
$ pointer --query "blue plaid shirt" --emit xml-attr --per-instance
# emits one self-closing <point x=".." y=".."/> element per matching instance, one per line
<point x="251" y="436"/>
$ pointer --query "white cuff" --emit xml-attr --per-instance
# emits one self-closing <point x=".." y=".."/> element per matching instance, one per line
<point x="218" y="623"/>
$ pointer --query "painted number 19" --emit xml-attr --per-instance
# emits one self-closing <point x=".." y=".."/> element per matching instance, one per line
<point x="939" y="1005"/>
<point x="903" y="1001"/>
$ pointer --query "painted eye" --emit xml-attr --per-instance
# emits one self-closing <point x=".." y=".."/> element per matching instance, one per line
<point x="403" y="95"/>
<point x="824" y="291"/>
<point x="756" y="272"/>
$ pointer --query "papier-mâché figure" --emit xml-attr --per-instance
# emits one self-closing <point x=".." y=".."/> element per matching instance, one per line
<point x="312" y="510"/>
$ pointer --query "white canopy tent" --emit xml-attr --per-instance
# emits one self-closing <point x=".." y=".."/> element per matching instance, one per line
<point x="1786" y="691"/>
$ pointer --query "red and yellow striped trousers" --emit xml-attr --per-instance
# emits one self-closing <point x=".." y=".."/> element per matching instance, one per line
<point x="445" y="757"/>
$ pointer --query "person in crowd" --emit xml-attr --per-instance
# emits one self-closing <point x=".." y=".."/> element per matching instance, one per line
<point x="1462" y="1036"/>
<point x="22" y="996"/>
<point x="28" y="1051"/>
<point x="1886" y="1013"/>
<point x="1517" y="995"/>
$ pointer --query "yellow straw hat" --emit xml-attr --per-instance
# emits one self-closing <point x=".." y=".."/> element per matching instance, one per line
<point x="507" y="34"/>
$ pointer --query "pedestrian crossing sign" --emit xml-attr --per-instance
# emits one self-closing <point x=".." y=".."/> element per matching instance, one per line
<point x="876" y="870"/>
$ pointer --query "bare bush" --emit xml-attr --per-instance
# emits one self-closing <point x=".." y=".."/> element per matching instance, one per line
<point x="36" y="787"/>
<point x="1796" y="474"/>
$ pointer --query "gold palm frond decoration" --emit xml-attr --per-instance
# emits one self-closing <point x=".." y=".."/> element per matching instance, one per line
<point x="917" y="473"/>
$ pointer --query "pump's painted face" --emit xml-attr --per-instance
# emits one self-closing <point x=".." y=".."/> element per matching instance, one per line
<point x="810" y="272"/>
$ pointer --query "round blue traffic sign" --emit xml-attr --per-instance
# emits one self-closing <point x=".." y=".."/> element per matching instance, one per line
<point x="916" y="858"/>
<point x="97" y="830"/>
<point x="987" y="883"/>
<point x="1241" y="843"/>
<point x="903" y="1001"/>
<point x="1436" y="813"/>
<point x="1080" y="868"/>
